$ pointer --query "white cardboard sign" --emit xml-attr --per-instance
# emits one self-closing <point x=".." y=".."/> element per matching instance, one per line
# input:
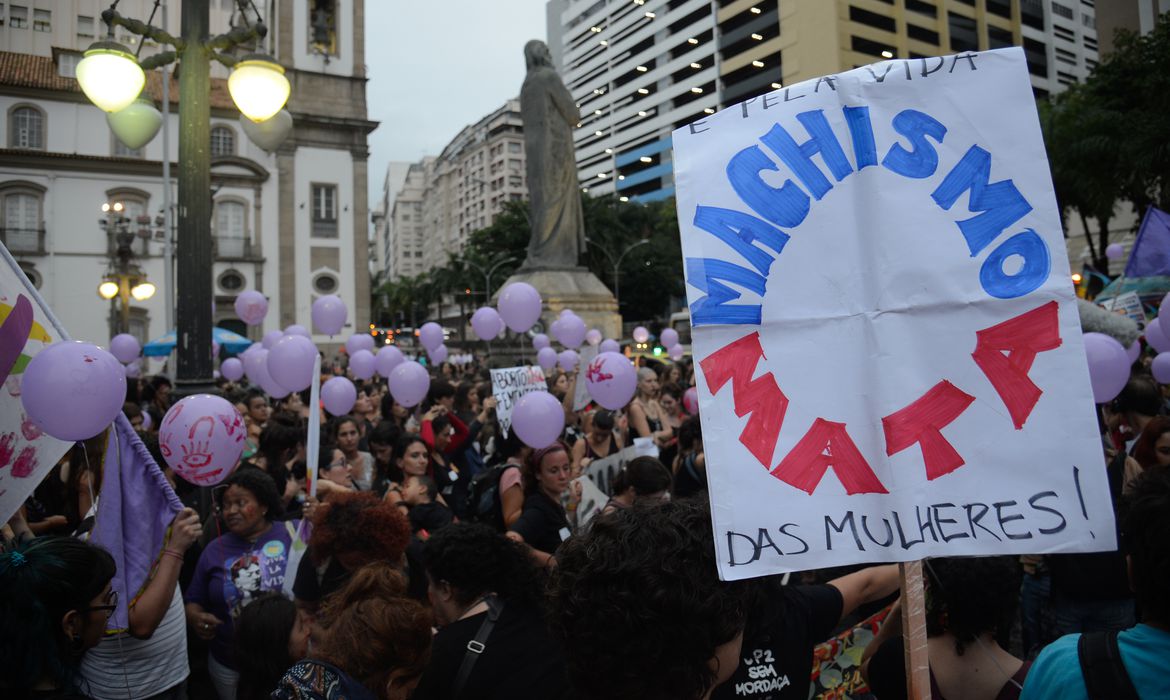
<point x="509" y="384"/>
<point x="888" y="352"/>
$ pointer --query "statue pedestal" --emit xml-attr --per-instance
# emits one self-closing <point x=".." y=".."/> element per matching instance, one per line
<point x="573" y="288"/>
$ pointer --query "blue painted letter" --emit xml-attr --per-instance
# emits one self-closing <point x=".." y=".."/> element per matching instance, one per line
<point x="1037" y="264"/>
<point x="861" y="131"/>
<point x="1000" y="204"/>
<point x="798" y="157"/>
<point x="705" y="274"/>
<point x="740" y="231"/>
<point x="785" y="206"/>
<point x="923" y="160"/>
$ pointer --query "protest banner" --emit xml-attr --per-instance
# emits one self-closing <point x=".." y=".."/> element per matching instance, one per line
<point x="592" y="501"/>
<point x="26" y="327"/>
<point x="888" y="352"/>
<point x="1128" y="305"/>
<point x="509" y="384"/>
<point x="581" y="397"/>
<point x="602" y="471"/>
<point x="836" y="669"/>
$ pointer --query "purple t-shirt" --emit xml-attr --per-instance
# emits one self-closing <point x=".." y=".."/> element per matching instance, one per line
<point x="232" y="572"/>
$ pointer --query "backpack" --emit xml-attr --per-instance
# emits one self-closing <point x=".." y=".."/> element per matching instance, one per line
<point x="483" y="497"/>
<point x="1102" y="668"/>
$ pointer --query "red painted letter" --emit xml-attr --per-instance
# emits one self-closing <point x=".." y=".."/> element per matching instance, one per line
<point x="827" y="444"/>
<point x="760" y="397"/>
<point x="923" y="421"/>
<point x="1021" y="338"/>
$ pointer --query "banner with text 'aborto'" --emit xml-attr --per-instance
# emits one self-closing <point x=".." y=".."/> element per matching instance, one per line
<point x="888" y="351"/>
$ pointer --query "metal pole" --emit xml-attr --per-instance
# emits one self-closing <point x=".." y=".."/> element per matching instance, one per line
<point x="194" y="232"/>
<point x="168" y="211"/>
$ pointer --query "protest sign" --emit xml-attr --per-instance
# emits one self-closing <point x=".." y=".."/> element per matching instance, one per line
<point x="581" y="397"/>
<point x="508" y="385"/>
<point x="602" y="471"/>
<point x="26" y="454"/>
<point x="888" y="353"/>
<point x="592" y="501"/>
<point x="1128" y="305"/>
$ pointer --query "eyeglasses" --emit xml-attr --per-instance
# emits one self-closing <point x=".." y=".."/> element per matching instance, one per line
<point x="109" y="608"/>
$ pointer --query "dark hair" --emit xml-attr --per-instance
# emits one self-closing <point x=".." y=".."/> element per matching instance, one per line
<point x="603" y="419"/>
<point x="428" y="484"/>
<point x="476" y="559"/>
<point x="1140" y="395"/>
<point x="689" y="431"/>
<point x="338" y="421"/>
<point x="639" y="606"/>
<point x="673" y="389"/>
<point x="532" y="465"/>
<point x="971" y="596"/>
<point x="1145" y="537"/>
<point x="260" y="485"/>
<point x="262" y="634"/>
<point x="647" y="476"/>
<point x="384" y="433"/>
<point x="359" y="523"/>
<point x="279" y="436"/>
<point x="325" y="457"/>
<point x="254" y="394"/>
<point x="131" y="410"/>
<point x="40" y="581"/>
<point x="462" y="402"/>
<point x="1144" y="450"/>
<point x="439" y="424"/>
<point x="440" y="389"/>
<point x="510" y="446"/>
<point x="404" y="444"/>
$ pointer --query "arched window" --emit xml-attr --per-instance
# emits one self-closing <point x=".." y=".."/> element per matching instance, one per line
<point x="23" y="227"/>
<point x="135" y="210"/>
<point x="223" y="141"/>
<point x="231" y="231"/>
<point x="26" y="127"/>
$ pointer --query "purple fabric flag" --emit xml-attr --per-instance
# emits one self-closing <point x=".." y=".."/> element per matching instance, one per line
<point x="1150" y="256"/>
<point x="134" y="510"/>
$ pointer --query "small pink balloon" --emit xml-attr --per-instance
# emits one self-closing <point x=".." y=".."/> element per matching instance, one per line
<point x="409" y="384"/>
<point x="519" y="305"/>
<point x="329" y="314"/>
<point x="486" y="323"/>
<point x="547" y="358"/>
<point x="609" y="345"/>
<point x="1113" y="251"/>
<point x="290" y="362"/>
<point x="72" y="390"/>
<point x="363" y="364"/>
<point x="256" y="367"/>
<point x="555" y="329"/>
<point x="387" y="359"/>
<point x="1160" y="368"/>
<point x="202" y="437"/>
<point x="540" y="341"/>
<point x="251" y="307"/>
<point x="270" y="338"/>
<point x="1156" y="337"/>
<point x="133" y="371"/>
<point x="593" y="337"/>
<point x="1109" y="366"/>
<point x="538" y="419"/>
<point x="232" y="369"/>
<point x="438" y="355"/>
<point x="359" y="341"/>
<point x="668" y="338"/>
<point x="676" y="352"/>
<point x="1134" y="351"/>
<point x="572" y="331"/>
<point x="568" y="360"/>
<point x="125" y="347"/>
<point x="339" y="395"/>
<point x="295" y="329"/>
<point x="611" y="380"/>
<point x="691" y="401"/>
<point x="641" y="335"/>
<point x="431" y="335"/>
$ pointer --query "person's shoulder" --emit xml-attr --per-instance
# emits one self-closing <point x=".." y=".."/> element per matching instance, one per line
<point x="1056" y="672"/>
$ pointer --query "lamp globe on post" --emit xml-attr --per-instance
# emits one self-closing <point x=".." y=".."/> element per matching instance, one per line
<point x="108" y="289"/>
<point x="142" y="291"/>
<point x="110" y="76"/>
<point x="258" y="87"/>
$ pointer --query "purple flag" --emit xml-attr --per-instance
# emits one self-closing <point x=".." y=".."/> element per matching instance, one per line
<point x="1150" y="256"/>
<point x="134" y="510"/>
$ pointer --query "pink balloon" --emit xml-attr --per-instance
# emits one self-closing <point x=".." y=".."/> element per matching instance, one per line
<point x="72" y="390"/>
<point x="593" y="337"/>
<point x="540" y="341"/>
<point x="611" y="380"/>
<point x="438" y="355"/>
<point x="641" y="335"/>
<point x="290" y="362"/>
<point x="668" y="337"/>
<point x="555" y="328"/>
<point x="251" y="307"/>
<point x="676" y="352"/>
<point x="572" y="331"/>
<point x="431" y="335"/>
<point x="270" y="338"/>
<point x="519" y="305"/>
<point x="1160" y="368"/>
<point x="1114" y="251"/>
<point x="691" y="401"/>
<point x="125" y="347"/>
<point x="363" y="364"/>
<point x="1134" y="351"/>
<point x="1156" y="337"/>
<point x="329" y="314"/>
<point x="409" y="384"/>
<point x="486" y="323"/>
<point x="133" y="371"/>
<point x="568" y="360"/>
<point x="232" y="369"/>
<point x="1108" y="366"/>
<point x="202" y="438"/>
<point x="256" y="367"/>
<point x="339" y="395"/>
<point x="387" y="359"/>
<point x="295" y="329"/>
<point x="546" y="358"/>
<point x="566" y="312"/>
<point x="359" y="341"/>
<point x="538" y="419"/>
<point x="609" y="345"/>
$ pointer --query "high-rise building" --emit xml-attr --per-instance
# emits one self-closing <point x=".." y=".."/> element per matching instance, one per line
<point x="404" y="225"/>
<point x="1138" y="16"/>
<point x="396" y="172"/>
<point x="641" y="68"/>
<point x="291" y="224"/>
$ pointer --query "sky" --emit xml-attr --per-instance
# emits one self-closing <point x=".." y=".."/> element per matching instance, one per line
<point x="435" y="67"/>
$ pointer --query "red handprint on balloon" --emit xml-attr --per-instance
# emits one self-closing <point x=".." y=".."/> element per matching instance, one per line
<point x="594" y="373"/>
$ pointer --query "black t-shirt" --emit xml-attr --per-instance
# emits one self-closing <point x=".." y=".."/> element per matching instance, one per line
<point x="689" y="480"/>
<point x="777" y="657"/>
<point x="431" y="517"/>
<point x="542" y="523"/>
<point x="520" y="660"/>
<point x="312" y="587"/>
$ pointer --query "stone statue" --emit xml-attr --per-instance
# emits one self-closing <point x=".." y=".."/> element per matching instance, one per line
<point x="550" y="115"/>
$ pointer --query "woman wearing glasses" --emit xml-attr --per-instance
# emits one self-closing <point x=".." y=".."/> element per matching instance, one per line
<point x="55" y="597"/>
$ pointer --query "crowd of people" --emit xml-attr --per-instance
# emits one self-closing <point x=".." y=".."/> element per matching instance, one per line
<point x="442" y="558"/>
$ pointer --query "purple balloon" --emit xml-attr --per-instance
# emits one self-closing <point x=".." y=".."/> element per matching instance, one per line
<point x="593" y="337"/>
<point x="1155" y="337"/>
<point x="387" y="359"/>
<point x="566" y="312"/>
<point x="540" y="341"/>
<point x="202" y="438"/>
<point x="290" y="362"/>
<point x="691" y="401"/>
<point x="409" y="384"/>
<point x="572" y="331"/>
<point x="125" y="347"/>
<point x="339" y="395"/>
<point x="329" y="314"/>
<point x="546" y="358"/>
<point x="70" y="390"/>
<point x="1134" y="351"/>
<point x="568" y="360"/>
<point x="359" y="341"/>
<point x="611" y="380"/>
<point x="270" y="339"/>
<point x="133" y="371"/>
<point x="254" y="347"/>
<point x="1160" y="368"/>
<point x="363" y="364"/>
<point x="232" y="369"/>
<point x="519" y="305"/>
<point x="609" y="345"/>
<point x="1108" y="366"/>
<point x="538" y="419"/>
<point x="1164" y="313"/>
<point x="214" y="348"/>
<point x="676" y="352"/>
<point x="1114" y="251"/>
<point x="295" y="329"/>
<point x="438" y="355"/>
<point x="486" y="323"/>
<point x="668" y="338"/>
<point x="251" y="307"/>
<point x="431" y="335"/>
<point x="256" y="367"/>
<point x="641" y="335"/>
<point x="554" y="329"/>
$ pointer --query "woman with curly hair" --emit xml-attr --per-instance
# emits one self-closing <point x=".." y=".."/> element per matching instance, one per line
<point x="484" y="587"/>
<point x="640" y="609"/>
<point x="55" y="597"/>
<point x="375" y="643"/>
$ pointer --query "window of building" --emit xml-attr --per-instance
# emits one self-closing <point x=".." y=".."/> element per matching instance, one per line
<point x="998" y="38"/>
<point x="922" y="8"/>
<point x="514" y="147"/>
<point x="121" y="150"/>
<point x="869" y="47"/>
<point x="323" y="27"/>
<point x="42" y="21"/>
<point x="22" y="219"/>
<point x="921" y="34"/>
<point x="85" y="26"/>
<point x="134" y="215"/>
<point x="325" y="210"/>
<point x="67" y="64"/>
<point x="963" y="36"/>
<point x="231" y="281"/>
<point x="223" y="141"/>
<point x="1002" y="8"/>
<point x="325" y="283"/>
<point x="1032" y="13"/>
<point x="26" y="127"/>
<point x="871" y="19"/>
<point x="1061" y="10"/>
<point x="230" y="228"/>
<point x="1" y="14"/>
<point x="17" y="17"/>
<point x="1037" y="55"/>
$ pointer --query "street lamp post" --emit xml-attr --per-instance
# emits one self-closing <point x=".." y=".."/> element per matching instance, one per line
<point x="125" y="279"/>
<point x="617" y="266"/>
<point x="487" y="274"/>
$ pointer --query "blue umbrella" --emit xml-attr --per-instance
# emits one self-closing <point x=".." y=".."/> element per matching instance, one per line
<point x="232" y="342"/>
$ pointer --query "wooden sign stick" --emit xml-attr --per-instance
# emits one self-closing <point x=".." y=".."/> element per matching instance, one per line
<point x="914" y="631"/>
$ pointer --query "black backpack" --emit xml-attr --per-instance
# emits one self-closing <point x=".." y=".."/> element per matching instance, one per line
<point x="483" y="497"/>
<point x="1102" y="668"/>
